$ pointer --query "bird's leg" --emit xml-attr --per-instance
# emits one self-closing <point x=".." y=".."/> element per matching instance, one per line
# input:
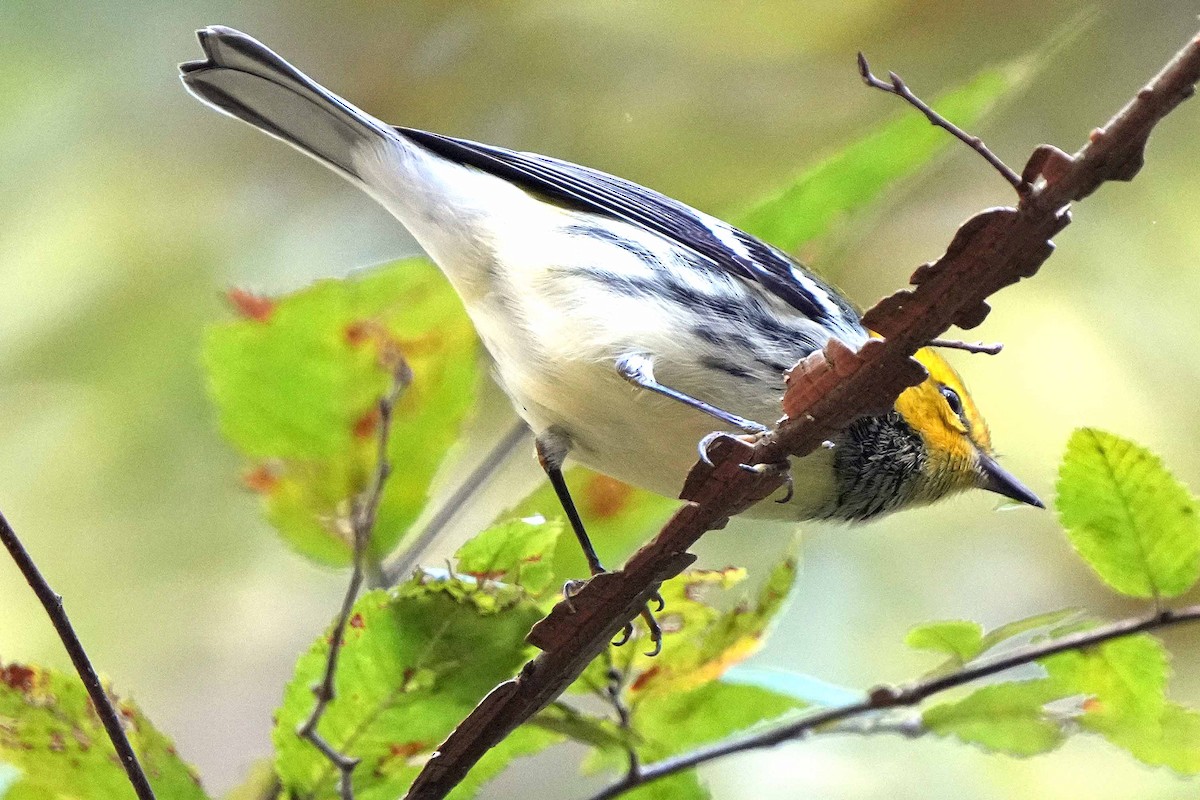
<point x="552" y="447"/>
<point x="637" y="370"/>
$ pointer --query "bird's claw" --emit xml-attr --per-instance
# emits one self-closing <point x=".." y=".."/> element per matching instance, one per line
<point x="783" y="468"/>
<point x="655" y="630"/>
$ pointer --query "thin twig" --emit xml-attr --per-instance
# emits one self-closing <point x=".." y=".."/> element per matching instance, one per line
<point x="613" y="694"/>
<point x="362" y="523"/>
<point x="897" y="87"/>
<point x="400" y="567"/>
<point x="52" y="602"/>
<point x="885" y="697"/>
<point x="992" y="349"/>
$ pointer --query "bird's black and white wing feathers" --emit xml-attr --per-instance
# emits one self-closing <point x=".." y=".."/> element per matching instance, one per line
<point x="730" y="249"/>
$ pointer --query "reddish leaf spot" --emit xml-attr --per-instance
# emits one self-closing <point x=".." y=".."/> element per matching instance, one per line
<point x="56" y="742"/>
<point x="17" y="677"/>
<point x="1092" y="706"/>
<point x="401" y="752"/>
<point x="357" y="333"/>
<point x="641" y="680"/>
<point x="366" y="425"/>
<point x="491" y="575"/>
<point x="357" y="621"/>
<point x="250" y="305"/>
<point x="261" y="480"/>
<point x="605" y="497"/>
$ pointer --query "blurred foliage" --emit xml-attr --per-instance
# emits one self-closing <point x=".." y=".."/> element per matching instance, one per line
<point x="860" y="173"/>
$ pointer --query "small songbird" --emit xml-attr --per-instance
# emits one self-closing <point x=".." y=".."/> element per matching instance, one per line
<point x="621" y="322"/>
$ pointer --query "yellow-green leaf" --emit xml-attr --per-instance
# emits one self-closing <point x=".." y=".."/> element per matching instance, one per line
<point x="54" y="746"/>
<point x="297" y="381"/>
<point x="1004" y="717"/>
<point x="960" y="639"/>
<point x="1130" y="519"/>
<point x="414" y="662"/>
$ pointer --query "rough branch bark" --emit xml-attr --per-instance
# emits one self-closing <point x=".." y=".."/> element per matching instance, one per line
<point x="826" y="391"/>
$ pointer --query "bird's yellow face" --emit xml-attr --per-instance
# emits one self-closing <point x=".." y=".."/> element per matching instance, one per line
<point x="957" y="442"/>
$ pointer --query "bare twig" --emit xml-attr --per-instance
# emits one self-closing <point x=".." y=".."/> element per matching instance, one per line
<point x="362" y="523"/>
<point x="895" y="85"/>
<point x="971" y="347"/>
<point x="52" y="602"/>
<point x="826" y="391"/>
<point x="885" y="697"/>
<point x="400" y="566"/>
<point x="613" y="694"/>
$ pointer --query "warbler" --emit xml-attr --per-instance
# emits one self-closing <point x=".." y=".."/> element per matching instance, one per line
<point x="620" y="321"/>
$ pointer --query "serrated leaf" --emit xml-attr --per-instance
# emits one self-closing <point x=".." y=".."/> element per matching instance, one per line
<point x="1127" y="516"/>
<point x="1126" y="677"/>
<point x="1172" y="739"/>
<point x="960" y="639"/>
<point x="1004" y="718"/>
<point x="1037" y="622"/>
<point x="860" y="172"/>
<point x="415" y="661"/>
<point x="519" y="551"/>
<point x="57" y="748"/>
<point x="297" y="384"/>
<point x="1125" y="682"/>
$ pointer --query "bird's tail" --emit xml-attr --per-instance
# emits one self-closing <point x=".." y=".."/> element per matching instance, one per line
<point x="244" y="79"/>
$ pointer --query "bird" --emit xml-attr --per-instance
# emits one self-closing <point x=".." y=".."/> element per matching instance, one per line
<point x="620" y="322"/>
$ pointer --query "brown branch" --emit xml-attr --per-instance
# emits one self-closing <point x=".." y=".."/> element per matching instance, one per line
<point x="884" y="697"/>
<point x="826" y="391"/>
<point x="52" y="602"/>
<point x="362" y="524"/>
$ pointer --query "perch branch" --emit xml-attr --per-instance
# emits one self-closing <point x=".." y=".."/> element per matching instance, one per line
<point x="53" y="603"/>
<point x="826" y="391"/>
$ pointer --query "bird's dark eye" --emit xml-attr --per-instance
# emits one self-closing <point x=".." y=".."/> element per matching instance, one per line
<point x="953" y="400"/>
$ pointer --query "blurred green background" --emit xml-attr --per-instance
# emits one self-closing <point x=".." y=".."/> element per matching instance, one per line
<point x="127" y="208"/>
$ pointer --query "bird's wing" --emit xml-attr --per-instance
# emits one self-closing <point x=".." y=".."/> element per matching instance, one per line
<point x="733" y="250"/>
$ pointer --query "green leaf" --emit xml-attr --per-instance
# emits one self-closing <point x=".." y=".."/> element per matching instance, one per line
<point x="297" y="384"/>
<point x="1127" y="516"/>
<point x="520" y="551"/>
<point x="55" y="746"/>
<point x="859" y="173"/>
<point x="1037" y="622"/>
<point x="415" y="661"/>
<point x="960" y="639"/>
<point x="671" y="723"/>
<point x="1172" y="739"/>
<point x="700" y="643"/>
<point x="1125" y="683"/>
<point x="619" y="518"/>
<point x="1004" y="718"/>
<point x="1125" y="677"/>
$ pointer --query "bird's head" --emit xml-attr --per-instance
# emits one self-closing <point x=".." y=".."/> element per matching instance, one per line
<point x="957" y="445"/>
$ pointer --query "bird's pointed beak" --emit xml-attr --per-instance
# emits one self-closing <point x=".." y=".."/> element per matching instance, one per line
<point x="996" y="478"/>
